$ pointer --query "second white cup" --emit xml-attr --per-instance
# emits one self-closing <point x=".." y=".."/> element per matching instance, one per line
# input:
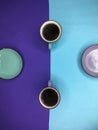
<point x="49" y="97"/>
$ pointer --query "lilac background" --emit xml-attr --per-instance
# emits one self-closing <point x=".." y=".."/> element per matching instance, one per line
<point x="20" y="21"/>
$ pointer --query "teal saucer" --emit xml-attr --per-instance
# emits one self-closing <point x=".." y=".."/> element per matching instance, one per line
<point x="10" y="63"/>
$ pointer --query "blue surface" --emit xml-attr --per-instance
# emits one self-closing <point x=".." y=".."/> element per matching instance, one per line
<point x="78" y="109"/>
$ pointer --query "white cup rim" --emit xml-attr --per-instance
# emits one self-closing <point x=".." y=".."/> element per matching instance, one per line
<point x="50" y="22"/>
<point x="45" y="106"/>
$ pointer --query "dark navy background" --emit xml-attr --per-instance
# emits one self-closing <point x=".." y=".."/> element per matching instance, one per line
<point x="20" y="21"/>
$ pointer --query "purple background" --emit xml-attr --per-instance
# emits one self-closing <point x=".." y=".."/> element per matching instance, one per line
<point x="20" y="21"/>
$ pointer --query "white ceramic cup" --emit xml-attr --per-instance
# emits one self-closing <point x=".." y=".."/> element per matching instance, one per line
<point x="49" y="97"/>
<point x="50" y="31"/>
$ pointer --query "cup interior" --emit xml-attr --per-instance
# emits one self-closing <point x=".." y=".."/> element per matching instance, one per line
<point x="50" y="31"/>
<point x="49" y="97"/>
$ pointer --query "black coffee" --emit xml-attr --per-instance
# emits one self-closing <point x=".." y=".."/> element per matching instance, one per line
<point x="51" y="32"/>
<point x="49" y="97"/>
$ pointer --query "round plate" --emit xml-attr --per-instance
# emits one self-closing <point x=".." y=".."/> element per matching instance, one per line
<point x="10" y="63"/>
<point x="90" y="60"/>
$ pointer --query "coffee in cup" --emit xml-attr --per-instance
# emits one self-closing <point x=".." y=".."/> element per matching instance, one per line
<point x="49" y="97"/>
<point x="50" y="31"/>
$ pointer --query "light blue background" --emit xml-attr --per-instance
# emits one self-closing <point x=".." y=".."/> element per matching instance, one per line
<point x="78" y="109"/>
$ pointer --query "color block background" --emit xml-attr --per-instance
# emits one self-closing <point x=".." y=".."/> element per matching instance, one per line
<point x="20" y="21"/>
